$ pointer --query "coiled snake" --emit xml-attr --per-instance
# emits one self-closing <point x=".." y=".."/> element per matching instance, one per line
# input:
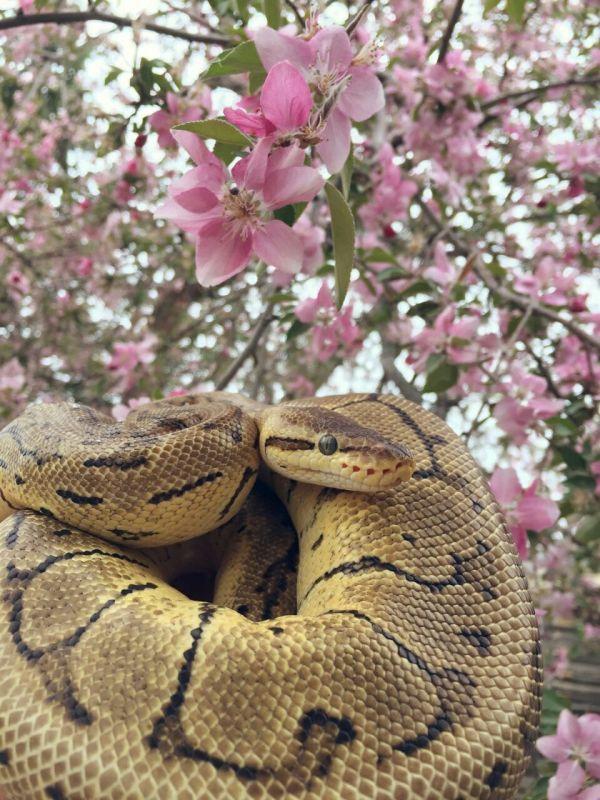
<point x="372" y="643"/>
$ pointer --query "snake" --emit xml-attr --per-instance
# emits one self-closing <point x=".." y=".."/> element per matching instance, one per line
<point x="219" y="599"/>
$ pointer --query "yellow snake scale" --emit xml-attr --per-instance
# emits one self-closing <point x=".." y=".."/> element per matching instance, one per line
<point x="376" y="643"/>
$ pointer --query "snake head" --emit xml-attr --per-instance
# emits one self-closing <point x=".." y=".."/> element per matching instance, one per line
<point x="315" y="445"/>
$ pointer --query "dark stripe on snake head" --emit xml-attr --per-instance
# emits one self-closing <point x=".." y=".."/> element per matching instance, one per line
<point x="288" y="443"/>
<point x="79" y="499"/>
<point x="162" y="497"/>
<point x="494" y="779"/>
<point x="4" y="758"/>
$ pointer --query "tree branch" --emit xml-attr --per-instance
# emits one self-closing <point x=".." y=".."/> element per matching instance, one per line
<point x="521" y="301"/>
<point x="291" y="4"/>
<point x="452" y="22"/>
<point x="392" y="373"/>
<point x="263" y="323"/>
<point x="70" y="17"/>
<point x="546" y="87"/>
<point x="353" y="24"/>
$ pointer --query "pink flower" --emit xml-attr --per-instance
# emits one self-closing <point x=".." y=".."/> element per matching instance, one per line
<point x="524" y="510"/>
<point x="577" y="737"/>
<point x="300" y="386"/>
<point x="335" y="74"/>
<point x="18" y="282"/>
<point x="525" y="403"/>
<point x="331" y="330"/>
<point x="175" y="113"/>
<point x="129" y="355"/>
<point x="12" y="376"/>
<point x="568" y="783"/>
<point x="121" y="410"/>
<point x="392" y="193"/>
<point x="284" y="104"/>
<point x="230" y="215"/>
<point x="443" y="273"/>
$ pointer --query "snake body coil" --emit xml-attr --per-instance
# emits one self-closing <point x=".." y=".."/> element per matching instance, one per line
<point x="375" y="643"/>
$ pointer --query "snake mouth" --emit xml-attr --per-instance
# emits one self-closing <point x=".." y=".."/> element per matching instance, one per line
<point x="357" y="479"/>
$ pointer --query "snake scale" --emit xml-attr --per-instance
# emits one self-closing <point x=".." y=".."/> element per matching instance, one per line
<point x="358" y="625"/>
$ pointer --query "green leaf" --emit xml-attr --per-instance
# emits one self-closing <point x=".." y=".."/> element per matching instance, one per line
<point x="552" y="704"/>
<point x="572" y="458"/>
<point x="342" y="229"/>
<point x="515" y="10"/>
<point x="272" y="11"/>
<point x="441" y="378"/>
<point x="391" y="274"/>
<point x="295" y="329"/>
<point x="226" y="152"/>
<point x="588" y="529"/>
<point x="489" y="5"/>
<point x="418" y="287"/>
<point x="347" y="173"/>
<point x="286" y="214"/>
<point x="243" y="58"/>
<point x="112" y="75"/>
<point x="242" y="9"/>
<point x="217" y="129"/>
<point x="379" y="256"/>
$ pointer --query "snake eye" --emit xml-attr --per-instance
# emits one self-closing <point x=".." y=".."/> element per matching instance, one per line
<point x="328" y="444"/>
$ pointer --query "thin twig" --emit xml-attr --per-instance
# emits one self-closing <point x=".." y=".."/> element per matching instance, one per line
<point x="70" y="17"/>
<point x="392" y="373"/>
<point x="297" y="13"/>
<point x="452" y="22"/>
<point x="522" y="302"/>
<point x="546" y="87"/>
<point x="263" y="323"/>
<point x="353" y="24"/>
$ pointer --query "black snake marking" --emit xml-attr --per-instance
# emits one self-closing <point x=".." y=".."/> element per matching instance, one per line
<point x="170" y="739"/>
<point x="374" y="563"/>
<point x="248" y="474"/>
<point x="115" y="461"/>
<point x="443" y="721"/>
<point x="277" y="575"/>
<point x="61" y="691"/>
<point x="169" y="494"/>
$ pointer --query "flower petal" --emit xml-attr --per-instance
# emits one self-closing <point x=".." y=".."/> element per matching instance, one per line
<point x="567" y="782"/>
<point x="537" y="513"/>
<point x="331" y="49"/>
<point x="363" y="96"/>
<point x="278" y="245"/>
<point x="553" y="748"/>
<point x="335" y="146"/>
<point x="197" y="200"/>
<point x="292" y="185"/>
<point x="194" y="145"/>
<point x="250" y="171"/>
<point x="505" y="485"/>
<point x="274" y="47"/>
<point x="220" y="253"/>
<point x="285" y="99"/>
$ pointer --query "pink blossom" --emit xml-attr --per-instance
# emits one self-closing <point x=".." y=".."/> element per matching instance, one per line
<point x="12" y="376"/>
<point x="575" y="737"/>
<point x="392" y="193"/>
<point x="127" y="356"/>
<point x="591" y="631"/>
<point x="230" y="215"/>
<point x="18" y="282"/>
<point x="331" y="330"/>
<point x="121" y="410"/>
<point x="578" y="158"/>
<point x="284" y="104"/>
<point x="568" y="784"/>
<point x="524" y="404"/>
<point x="443" y="273"/>
<point x="300" y="386"/>
<point x="523" y="508"/>
<point x="454" y="336"/>
<point x="334" y="73"/>
<point x="176" y="112"/>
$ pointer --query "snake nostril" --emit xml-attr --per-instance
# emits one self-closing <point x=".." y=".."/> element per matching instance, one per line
<point x="355" y="469"/>
<point x="370" y="471"/>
